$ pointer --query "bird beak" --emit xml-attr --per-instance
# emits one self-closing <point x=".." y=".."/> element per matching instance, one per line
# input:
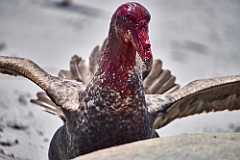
<point x="142" y="44"/>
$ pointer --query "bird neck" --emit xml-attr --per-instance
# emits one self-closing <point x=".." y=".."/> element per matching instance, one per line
<point x="119" y="69"/>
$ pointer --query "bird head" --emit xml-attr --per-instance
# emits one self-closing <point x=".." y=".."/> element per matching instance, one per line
<point x="130" y="22"/>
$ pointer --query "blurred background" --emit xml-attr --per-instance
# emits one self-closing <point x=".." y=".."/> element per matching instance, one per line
<point x="195" y="39"/>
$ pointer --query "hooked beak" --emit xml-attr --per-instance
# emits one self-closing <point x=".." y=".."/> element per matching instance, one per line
<point x="142" y="45"/>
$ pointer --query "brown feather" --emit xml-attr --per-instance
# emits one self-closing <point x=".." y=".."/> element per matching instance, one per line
<point x="65" y="74"/>
<point x="157" y="81"/>
<point x="210" y="95"/>
<point x="25" y="67"/>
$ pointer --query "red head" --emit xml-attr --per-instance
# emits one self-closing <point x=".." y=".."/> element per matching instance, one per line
<point x="130" y="21"/>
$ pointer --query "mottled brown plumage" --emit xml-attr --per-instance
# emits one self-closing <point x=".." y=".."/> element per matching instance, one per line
<point x="104" y="104"/>
<point x="83" y="71"/>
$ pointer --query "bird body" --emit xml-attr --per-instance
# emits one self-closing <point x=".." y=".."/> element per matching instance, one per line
<point x="112" y="108"/>
<point x="104" y="118"/>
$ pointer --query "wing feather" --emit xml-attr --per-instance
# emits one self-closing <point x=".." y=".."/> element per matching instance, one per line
<point x="44" y="101"/>
<point x="157" y="81"/>
<point x="58" y="89"/>
<point x="208" y="95"/>
<point x="64" y="74"/>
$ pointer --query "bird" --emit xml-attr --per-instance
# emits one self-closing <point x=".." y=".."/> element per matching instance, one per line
<point x="158" y="82"/>
<point x="124" y="95"/>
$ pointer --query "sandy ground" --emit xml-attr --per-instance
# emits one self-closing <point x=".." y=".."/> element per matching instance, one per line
<point x="195" y="39"/>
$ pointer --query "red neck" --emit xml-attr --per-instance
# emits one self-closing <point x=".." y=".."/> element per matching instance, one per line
<point x="117" y="66"/>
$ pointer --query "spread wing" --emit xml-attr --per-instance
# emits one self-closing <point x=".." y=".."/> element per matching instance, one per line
<point x="63" y="92"/>
<point x="157" y="81"/>
<point x="208" y="95"/>
<point x="80" y="71"/>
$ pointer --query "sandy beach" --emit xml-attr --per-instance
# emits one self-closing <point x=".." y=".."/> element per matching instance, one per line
<point x="194" y="39"/>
